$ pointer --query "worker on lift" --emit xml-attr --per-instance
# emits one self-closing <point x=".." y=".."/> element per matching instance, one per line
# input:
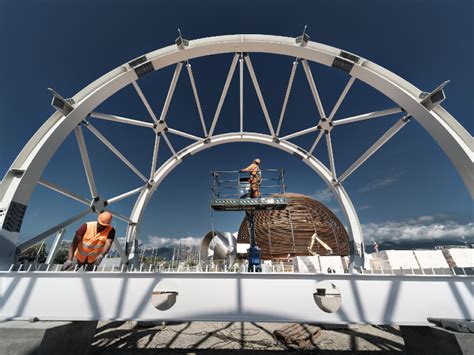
<point x="91" y="243"/>
<point x="255" y="177"/>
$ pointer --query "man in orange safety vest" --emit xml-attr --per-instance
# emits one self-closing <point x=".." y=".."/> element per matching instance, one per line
<point x="255" y="177"/>
<point x="91" y="243"/>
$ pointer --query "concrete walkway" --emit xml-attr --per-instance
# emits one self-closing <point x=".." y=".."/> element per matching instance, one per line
<point x="237" y="338"/>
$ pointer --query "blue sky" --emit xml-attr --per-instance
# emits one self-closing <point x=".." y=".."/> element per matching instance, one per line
<point x="409" y="184"/>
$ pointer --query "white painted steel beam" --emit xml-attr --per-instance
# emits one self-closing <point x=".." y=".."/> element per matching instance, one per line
<point x="55" y="247"/>
<point x="315" y="143"/>
<point x="301" y="133"/>
<point x="86" y="161"/>
<point x="374" y="147"/>
<point x="64" y="192"/>
<point x="125" y="195"/>
<point x="341" y="98"/>
<point x="287" y="95"/>
<point x="171" y="89"/>
<point x="282" y="297"/>
<point x="184" y="134"/>
<point x="196" y="98"/>
<point x="120" y="250"/>
<point x="154" y="157"/>
<point x="170" y="146"/>
<point x="122" y="217"/>
<point x="114" y="150"/>
<point x="259" y="94"/>
<point x="241" y="92"/>
<point x="314" y="89"/>
<point x="331" y="155"/>
<point x="367" y="116"/>
<point x="230" y="74"/>
<point x="144" y="101"/>
<point x="42" y="236"/>
<point x="119" y="119"/>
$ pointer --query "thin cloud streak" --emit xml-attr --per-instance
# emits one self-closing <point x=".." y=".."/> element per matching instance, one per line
<point x="379" y="183"/>
<point x="323" y="195"/>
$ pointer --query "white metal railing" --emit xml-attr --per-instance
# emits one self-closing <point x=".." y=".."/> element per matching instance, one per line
<point x="278" y="267"/>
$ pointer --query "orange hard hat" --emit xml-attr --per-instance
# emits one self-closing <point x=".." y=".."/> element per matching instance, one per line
<point x="105" y="218"/>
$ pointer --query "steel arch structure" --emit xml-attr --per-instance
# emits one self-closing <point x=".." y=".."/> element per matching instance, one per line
<point x="71" y="115"/>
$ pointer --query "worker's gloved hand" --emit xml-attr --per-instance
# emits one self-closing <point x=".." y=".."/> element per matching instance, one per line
<point x="67" y="265"/>
<point x="98" y="260"/>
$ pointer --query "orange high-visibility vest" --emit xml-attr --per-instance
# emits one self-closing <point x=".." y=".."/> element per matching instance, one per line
<point x="93" y="243"/>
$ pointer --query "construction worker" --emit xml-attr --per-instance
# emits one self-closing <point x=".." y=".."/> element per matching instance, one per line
<point x="91" y="243"/>
<point x="255" y="177"/>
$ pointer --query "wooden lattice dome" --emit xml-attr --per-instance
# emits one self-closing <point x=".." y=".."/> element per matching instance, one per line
<point x="289" y="231"/>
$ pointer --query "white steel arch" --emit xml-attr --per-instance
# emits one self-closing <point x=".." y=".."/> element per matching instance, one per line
<point x="323" y="172"/>
<point x="26" y="171"/>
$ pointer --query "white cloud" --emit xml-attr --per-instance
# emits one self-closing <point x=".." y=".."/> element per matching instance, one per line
<point x="379" y="183"/>
<point x="155" y="242"/>
<point x="418" y="229"/>
<point x="323" y="195"/>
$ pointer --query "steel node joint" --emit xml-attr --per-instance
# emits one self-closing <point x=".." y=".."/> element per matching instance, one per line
<point x="98" y="204"/>
<point x="325" y="125"/>
<point x="160" y="127"/>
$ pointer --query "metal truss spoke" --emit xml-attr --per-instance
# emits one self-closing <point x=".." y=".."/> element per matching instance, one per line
<point x="115" y="150"/>
<point x="86" y="161"/>
<point x="259" y="94"/>
<point x="169" y="96"/>
<point x="316" y="141"/>
<point x="287" y="95"/>
<point x="120" y="250"/>
<point x="367" y="116"/>
<point x="40" y="237"/>
<point x="376" y="146"/>
<point x="341" y="98"/>
<point x="113" y="118"/>
<point x="120" y="216"/>
<point x="230" y="74"/>
<point x="300" y="133"/>
<point x="125" y="195"/>
<point x="169" y="144"/>
<point x="331" y="155"/>
<point x="241" y="92"/>
<point x="144" y="100"/>
<point x="64" y="192"/>
<point x="154" y="158"/>
<point x="55" y="247"/>
<point x="314" y="90"/>
<point x="196" y="98"/>
<point x="184" y="134"/>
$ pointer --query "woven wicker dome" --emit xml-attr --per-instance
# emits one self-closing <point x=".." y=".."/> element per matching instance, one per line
<point x="289" y="231"/>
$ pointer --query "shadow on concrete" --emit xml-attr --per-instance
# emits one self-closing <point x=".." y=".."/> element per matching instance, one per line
<point x="147" y="341"/>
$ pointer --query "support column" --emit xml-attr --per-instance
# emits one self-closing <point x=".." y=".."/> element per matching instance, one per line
<point x="254" y="251"/>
